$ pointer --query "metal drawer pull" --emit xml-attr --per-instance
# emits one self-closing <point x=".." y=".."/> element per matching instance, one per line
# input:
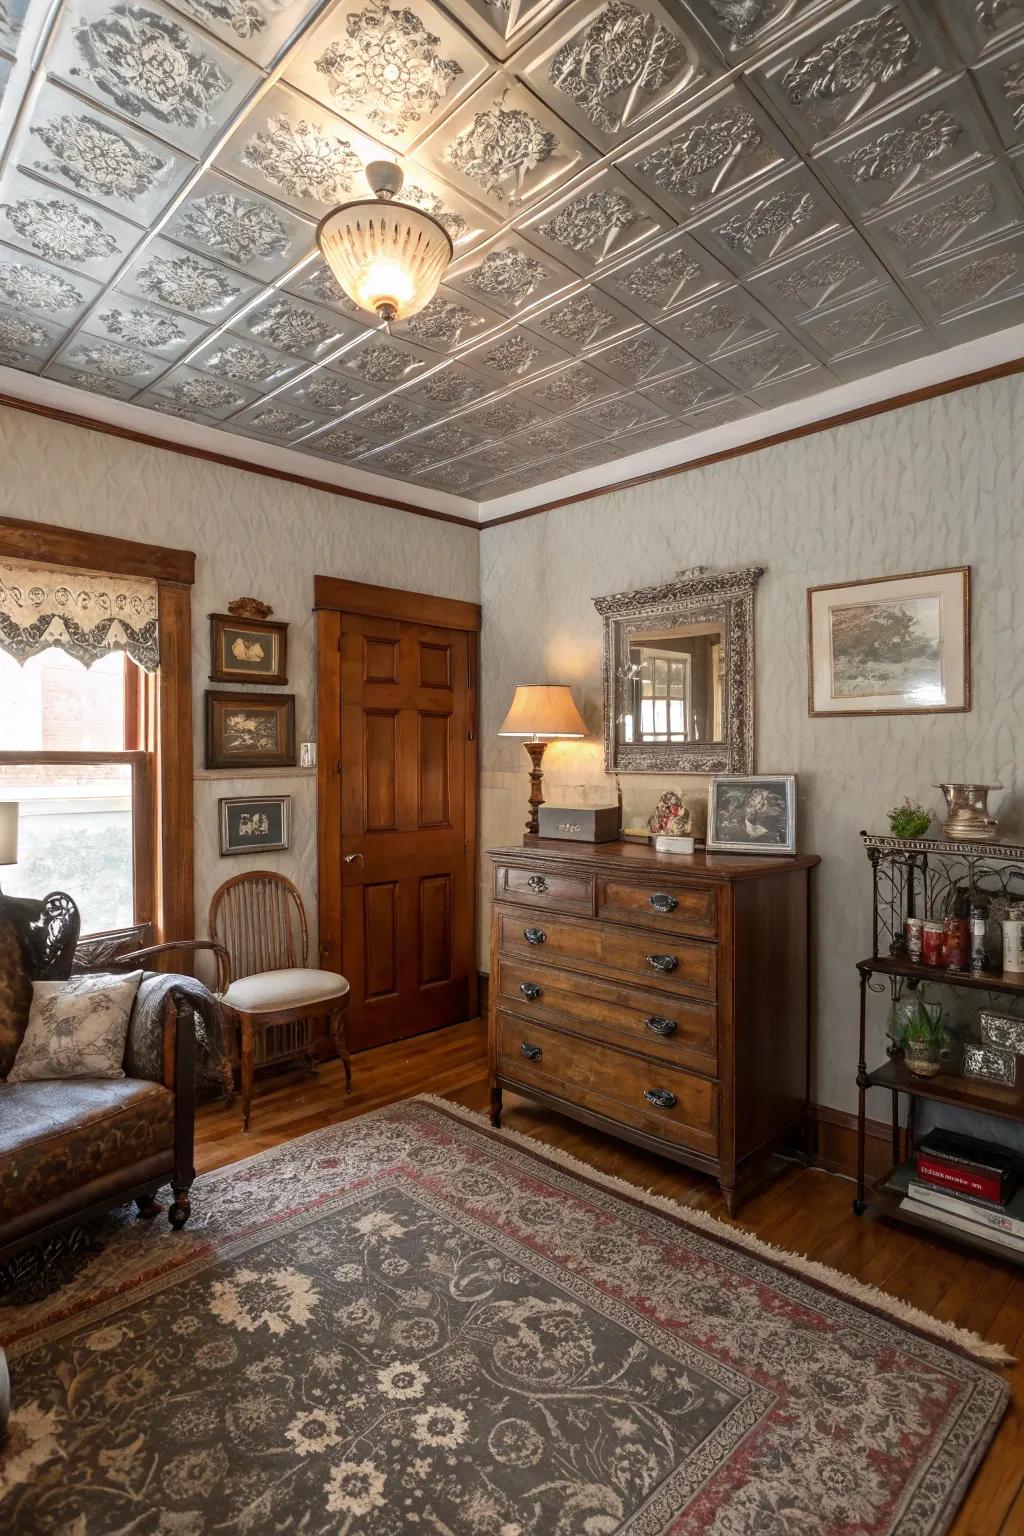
<point x="537" y="883"/>
<point x="662" y="903"/>
<point x="530" y="990"/>
<point x="660" y="1026"/>
<point x="664" y="1098"/>
<point x="663" y="962"/>
<point x="534" y="935"/>
<point x="531" y="1052"/>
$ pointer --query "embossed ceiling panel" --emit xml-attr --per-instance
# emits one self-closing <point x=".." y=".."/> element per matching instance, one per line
<point x="666" y="217"/>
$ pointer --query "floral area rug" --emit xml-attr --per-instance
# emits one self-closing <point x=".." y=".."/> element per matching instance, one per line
<point x="412" y="1324"/>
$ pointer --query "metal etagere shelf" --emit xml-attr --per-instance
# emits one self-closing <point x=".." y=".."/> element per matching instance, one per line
<point x="917" y="877"/>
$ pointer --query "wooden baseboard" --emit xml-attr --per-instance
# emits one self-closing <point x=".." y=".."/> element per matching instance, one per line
<point x="483" y="993"/>
<point x="836" y="1142"/>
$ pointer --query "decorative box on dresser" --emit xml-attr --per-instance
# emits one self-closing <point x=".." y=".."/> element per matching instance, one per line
<point x="663" y="998"/>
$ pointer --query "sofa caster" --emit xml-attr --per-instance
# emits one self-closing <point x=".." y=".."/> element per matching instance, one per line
<point x="180" y="1210"/>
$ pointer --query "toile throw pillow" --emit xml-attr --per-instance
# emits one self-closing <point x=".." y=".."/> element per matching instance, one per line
<point x="76" y="1028"/>
<point x="15" y="995"/>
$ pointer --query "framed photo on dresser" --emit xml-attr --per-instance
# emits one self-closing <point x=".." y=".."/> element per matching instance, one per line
<point x="752" y="813"/>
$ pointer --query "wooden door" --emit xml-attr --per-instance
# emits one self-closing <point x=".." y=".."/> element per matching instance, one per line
<point x="398" y="850"/>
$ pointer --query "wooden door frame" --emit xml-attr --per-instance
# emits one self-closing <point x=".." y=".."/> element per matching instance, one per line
<point x="333" y="597"/>
<point x="169" y="711"/>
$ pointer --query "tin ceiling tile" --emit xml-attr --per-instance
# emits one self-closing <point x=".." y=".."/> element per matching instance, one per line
<point x="392" y="418"/>
<point x="1000" y="79"/>
<point x="92" y="383"/>
<point x="84" y="150"/>
<point x="151" y="66"/>
<point x="516" y="355"/>
<point x="245" y="362"/>
<point x="316" y="281"/>
<point x="765" y="362"/>
<point x="257" y="28"/>
<point x="851" y="65"/>
<point x="29" y="283"/>
<point x="325" y="393"/>
<point x="401" y="460"/>
<point x="783" y="216"/>
<point x="503" y="25"/>
<point x="62" y="228"/>
<point x="655" y="435"/>
<point x="113" y="360"/>
<point x="982" y="26"/>
<point x="882" y="353"/>
<point x="721" y="414"/>
<point x="625" y="413"/>
<point x="202" y="393"/>
<point x="341" y="442"/>
<point x="976" y="283"/>
<point x="455" y="475"/>
<point x="687" y="391"/>
<point x="719" y="325"/>
<point x="611" y="68"/>
<point x="505" y="147"/>
<point x="449" y="321"/>
<point x="510" y="275"/>
<point x="969" y="211"/>
<point x="708" y="154"/>
<point x="180" y="280"/>
<point x="449" y="440"/>
<point x="394" y="71"/>
<point x="26" y="341"/>
<point x="578" y="384"/>
<point x="598" y="224"/>
<point x="640" y="358"/>
<point x="665" y="277"/>
<point x="505" y="416"/>
<point x="450" y="388"/>
<point x="584" y="320"/>
<point x="937" y="135"/>
<point x="304" y="330"/>
<point x="882" y="316"/>
<point x="228" y="223"/>
<point x="842" y="268"/>
<point x="384" y="362"/>
<point x="795" y="386"/>
<point x="562" y="435"/>
<point x="121" y="319"/>
<point x="743" y="27"/>
<point x="274" y="422"/>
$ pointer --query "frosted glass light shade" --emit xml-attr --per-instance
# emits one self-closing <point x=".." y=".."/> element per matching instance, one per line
<point x="387" y="256"/>
<point x="543" y="711"/>
<point x="8" y="831"/>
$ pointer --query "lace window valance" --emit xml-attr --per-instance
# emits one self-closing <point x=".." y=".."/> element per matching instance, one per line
<point x="86" y="614"/>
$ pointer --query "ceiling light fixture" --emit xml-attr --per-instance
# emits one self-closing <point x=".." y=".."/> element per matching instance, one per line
<point x="389" y="257"/>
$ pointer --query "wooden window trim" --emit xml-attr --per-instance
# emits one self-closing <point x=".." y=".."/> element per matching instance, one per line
<point x="164" y="849"/>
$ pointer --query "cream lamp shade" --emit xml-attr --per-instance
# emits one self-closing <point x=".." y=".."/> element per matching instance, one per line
<point x="8" y="831"/>
<point x="388" y="256"/>
<point x="543" y="711"/>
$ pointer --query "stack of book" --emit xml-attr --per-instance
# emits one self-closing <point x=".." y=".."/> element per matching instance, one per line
<point x="970" y="1186"/>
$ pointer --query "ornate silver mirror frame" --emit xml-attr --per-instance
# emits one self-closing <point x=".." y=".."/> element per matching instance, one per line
<point x="698" y="596"/>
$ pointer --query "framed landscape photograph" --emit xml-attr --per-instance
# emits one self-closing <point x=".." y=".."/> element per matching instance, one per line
<point x="250" y="730"/>
<point x="254" y="826"/>
<point x="247" y="650"/>
<point x="891" y="645"/>
<point x="752" y="813"/>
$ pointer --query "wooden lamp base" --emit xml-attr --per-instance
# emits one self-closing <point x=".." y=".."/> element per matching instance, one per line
<point x="536" y="749"/>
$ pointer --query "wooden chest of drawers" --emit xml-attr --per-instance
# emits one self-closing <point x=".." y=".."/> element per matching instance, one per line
<point x="660" y="998"/>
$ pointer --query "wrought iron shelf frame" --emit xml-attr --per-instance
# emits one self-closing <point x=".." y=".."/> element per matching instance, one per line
<point x="914" y="877"/>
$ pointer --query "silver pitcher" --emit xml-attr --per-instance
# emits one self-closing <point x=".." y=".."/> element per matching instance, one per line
<point x="968" y="818"/>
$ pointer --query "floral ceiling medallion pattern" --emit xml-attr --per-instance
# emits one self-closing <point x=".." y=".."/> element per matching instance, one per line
<point x="111" y="361"/>
<point x="388" y="67"/>
<point x="302" y="160"/>
<point x="508" y="274"/>
<point x="277" y="423"/>
<point x="827" y="273"/>
<point x="593" y="219"/>
<point x="149" y="66"/>
<point x="696" y="161"/>
<point x="938" y="228"/>
<point x="452" y="389"/>
<point x="185" y="282"/>
<point x="60" y="231"/>
<point x="20" y="337"/>
<point x="378" y="363"/>
<point x="245" y="18"/>
<point x="513" y="355"/>
<point x="855" y="62"/>
<point x="973" y="282"/>
<point x="291" y="327"/>
<point x="329" y="394"/>
<point x="899" y="153"/>
<point x="205" y="394"/>
<point x="623" y="55"/>
<point x="37" y="289"/>
<point x="247" y="365"/>
<point x="499" y="148"/>
<point x="579" y="320"/>
<point x="659" y="280"/>
<point x="142" y="327"/>
<point x="97" y="159"/>
<point x="237" y="228"/>
<point x="773" y="218"/>
<point x="442" y="321"/>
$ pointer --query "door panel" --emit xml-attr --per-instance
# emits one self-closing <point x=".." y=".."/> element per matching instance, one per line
<point x="398" y="853"/>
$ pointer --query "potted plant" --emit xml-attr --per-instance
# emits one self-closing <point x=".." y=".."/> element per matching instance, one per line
<point x="921" y="1029"/>
<point x="909" y="819"/>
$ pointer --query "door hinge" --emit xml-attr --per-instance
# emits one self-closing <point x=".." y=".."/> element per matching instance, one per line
<point x="471" y="734"/>
<point x="337" y="767"/>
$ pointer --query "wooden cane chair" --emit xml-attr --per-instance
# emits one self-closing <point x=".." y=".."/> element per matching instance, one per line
<point x="259" y="919"/>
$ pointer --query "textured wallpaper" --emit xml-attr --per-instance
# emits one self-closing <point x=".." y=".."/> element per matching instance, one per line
<point x="252" y="535"/>
<point x="932" y="485"/>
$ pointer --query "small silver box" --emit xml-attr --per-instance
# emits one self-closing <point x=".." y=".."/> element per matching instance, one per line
<point x="580" y="824"/>
<point x="1002" y="1029"/>
<point x="990" y="1062"/>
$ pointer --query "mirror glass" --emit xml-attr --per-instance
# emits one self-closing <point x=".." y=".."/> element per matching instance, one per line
<point x="671" y="685"/>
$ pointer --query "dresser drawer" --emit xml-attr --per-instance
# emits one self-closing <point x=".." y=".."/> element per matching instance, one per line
<point x="670" y="908"/>
<point x="673" y="964"/>
<point x="682" y="1108"/>
<point x="551" y="890"/>
<point x="678" y="1030"/>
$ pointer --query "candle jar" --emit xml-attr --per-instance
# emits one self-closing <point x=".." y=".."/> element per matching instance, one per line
<point x="914" y="938"/>
<point x="932" y="936"/>
<point x="979" y="942"/>
<point x="1013" y="949"/>
<point x="956" y="943"/>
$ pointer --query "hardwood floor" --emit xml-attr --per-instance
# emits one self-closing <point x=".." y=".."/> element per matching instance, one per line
<point x="805" y="1209"/>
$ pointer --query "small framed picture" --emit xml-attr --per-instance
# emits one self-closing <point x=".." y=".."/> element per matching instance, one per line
<point x="250" y="730"/>
<point x="753" y="813"/>
<point x="891" y="645"/>
<point x="247" y="650"/>
<point x="254" y="826"/>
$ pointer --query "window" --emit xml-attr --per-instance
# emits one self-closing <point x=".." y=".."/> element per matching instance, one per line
<point x="71" y="756"/>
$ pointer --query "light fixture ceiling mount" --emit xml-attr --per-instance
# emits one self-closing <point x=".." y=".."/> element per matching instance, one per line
<point x="388" y="256"/>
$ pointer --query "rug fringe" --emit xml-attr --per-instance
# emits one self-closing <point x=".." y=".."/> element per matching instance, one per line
<point x="858" y="1290"/>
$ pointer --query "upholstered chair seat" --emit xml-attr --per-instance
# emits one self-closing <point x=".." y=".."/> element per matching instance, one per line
<point x="268" y="991"/>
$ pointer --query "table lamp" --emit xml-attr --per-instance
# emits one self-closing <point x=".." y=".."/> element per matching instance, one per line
<point x="539" y="712"/>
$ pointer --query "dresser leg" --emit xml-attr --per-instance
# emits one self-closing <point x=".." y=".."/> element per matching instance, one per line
<point x="730" y="1198"/>
<point x="496" y="1107"/>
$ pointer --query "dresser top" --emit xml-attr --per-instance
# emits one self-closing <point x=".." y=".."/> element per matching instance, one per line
<point x="641" y="857"/>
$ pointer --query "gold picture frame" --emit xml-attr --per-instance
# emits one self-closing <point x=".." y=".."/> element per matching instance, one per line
<point x="890" y="645"/>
